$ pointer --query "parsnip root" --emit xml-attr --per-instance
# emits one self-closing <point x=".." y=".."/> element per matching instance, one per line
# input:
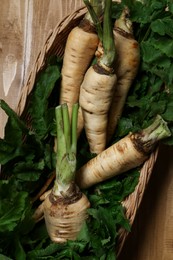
<point x="126" y="68"/>
<point x="98" y="84"/>
<point x="95" y="99"/>
<point x="80" y="47"/>
<point x="64" y="218"/>
<point x="65" y="207"/>
<point x="128" y="153"/>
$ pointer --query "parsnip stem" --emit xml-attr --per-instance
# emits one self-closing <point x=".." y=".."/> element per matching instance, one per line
<point x="105" y="35"/>
<point x="158" y="130"/>
<point x="66" y="127"/>
<point x="95" y="11"/>
<point x="66" y="148"/>
<point x="74" y="128"/>
<point x="109" y="55"/>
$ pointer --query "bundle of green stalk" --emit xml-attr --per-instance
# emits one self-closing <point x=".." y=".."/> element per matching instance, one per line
<point x="83" y="162"/>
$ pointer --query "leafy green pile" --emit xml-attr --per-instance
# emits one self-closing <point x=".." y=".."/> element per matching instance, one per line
<point x="27" y="156"/>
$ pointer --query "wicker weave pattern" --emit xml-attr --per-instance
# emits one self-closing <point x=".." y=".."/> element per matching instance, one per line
<point x="54" y="45"/>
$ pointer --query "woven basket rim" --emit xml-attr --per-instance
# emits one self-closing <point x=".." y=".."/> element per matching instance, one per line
<point x="133" y="201"/>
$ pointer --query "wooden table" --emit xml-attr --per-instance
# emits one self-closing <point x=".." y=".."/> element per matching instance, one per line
<point x="24" y="26"/>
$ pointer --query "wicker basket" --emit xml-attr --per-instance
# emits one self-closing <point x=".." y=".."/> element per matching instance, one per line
<point x="54" y="45"/>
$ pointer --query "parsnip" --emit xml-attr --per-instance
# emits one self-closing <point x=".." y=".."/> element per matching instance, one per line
<point x="128" y="153"/>
<point x="126" y="68"/>
<point x="80" y="47"/>
<point x="97" y="88"/>
<point x="65" y="207"/>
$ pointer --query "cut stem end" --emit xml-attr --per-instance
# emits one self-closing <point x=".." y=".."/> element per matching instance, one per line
<point x="151" y="135"/>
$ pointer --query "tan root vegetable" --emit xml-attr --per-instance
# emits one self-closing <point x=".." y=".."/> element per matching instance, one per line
<point x="128" y="153"/>
<point x="97" y="88"/>
<point x="126" y="67"/>
<point x="65" y="216"/>
<point x="65" y="207"/>
<point x="95" y="99"/>
<point x="80" y="48"/>
<point x="39" y="214"/>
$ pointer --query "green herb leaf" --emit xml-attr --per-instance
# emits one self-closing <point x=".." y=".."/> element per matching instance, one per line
<point x="15" y="127"/>
<point x="162" y="26"/>
<point x="3" y="257"/>
<point x="38" y="107"/>
<point x="12" y="206"/>
<point x="19" y="250"/>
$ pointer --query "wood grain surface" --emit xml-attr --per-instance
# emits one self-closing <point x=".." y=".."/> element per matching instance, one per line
<point x="24" y="26"/>
<point x="151" y="237"/>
